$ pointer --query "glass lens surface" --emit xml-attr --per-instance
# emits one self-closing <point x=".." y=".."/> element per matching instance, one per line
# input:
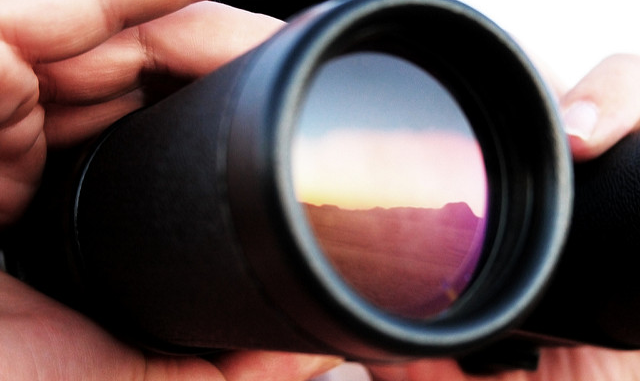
<point x="392" y="181"/>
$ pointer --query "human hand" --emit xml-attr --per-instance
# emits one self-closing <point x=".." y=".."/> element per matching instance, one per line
<point x="603" y="107"/>
<point x="68" y="69"/>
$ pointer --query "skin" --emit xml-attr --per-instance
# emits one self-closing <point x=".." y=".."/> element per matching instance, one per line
<point x="611" y="89"/>
<point x="68" y="69"/>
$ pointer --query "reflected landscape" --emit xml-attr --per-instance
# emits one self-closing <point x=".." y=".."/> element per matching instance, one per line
<point x="413" y="262"/>
<point x="392" y="180"/>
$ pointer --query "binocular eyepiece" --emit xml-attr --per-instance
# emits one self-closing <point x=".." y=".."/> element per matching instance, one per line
<point x="382" y="180"/>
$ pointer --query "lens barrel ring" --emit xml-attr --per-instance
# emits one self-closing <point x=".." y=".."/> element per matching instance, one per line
<point x="516" y="124"/>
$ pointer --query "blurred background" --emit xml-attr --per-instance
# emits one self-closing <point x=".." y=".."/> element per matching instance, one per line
<point x="569" y="36"/>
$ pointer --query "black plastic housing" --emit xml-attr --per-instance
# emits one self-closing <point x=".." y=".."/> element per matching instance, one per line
<point x="180" y="229"/>
<point x="595" y="296"/>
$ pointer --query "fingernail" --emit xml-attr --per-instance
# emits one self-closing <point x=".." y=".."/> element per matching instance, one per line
<point x="317" y="365"/>
<point x="345" y="372"/>
<point x="580" y="119"/>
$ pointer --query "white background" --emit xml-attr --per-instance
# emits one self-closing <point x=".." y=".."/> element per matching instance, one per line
<point x="570" y="36"/>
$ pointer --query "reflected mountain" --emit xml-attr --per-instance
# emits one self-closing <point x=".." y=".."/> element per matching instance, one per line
<point x="412" y="262"/>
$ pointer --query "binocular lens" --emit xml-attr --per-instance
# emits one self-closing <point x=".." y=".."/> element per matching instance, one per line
<point x="393" y="182"/>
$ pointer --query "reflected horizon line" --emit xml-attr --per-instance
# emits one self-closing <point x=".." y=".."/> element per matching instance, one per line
<point x="412" y="207"/>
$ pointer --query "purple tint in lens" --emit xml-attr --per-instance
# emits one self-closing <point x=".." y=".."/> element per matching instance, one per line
<point x="392" y="181"/>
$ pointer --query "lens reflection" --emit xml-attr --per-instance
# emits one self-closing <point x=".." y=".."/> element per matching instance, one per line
<point x="393" y="182"/>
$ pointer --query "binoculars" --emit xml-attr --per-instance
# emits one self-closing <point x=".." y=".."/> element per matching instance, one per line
<point x="382" y="180"/>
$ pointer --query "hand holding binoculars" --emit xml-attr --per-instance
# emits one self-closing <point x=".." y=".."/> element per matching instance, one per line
<point x="382" y="180"/>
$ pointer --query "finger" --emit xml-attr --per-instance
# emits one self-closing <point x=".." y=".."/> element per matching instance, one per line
<point x="187" y="44"/>
<point x="603" y="107"/>
<point x="348" y="371"/>
<point x="423" y="370"/>
<point x="66" y="126"/>
<point x="582" y="363"/>
<point x="18" y="84"/>
<point x="41" y="339"/>
<point x="274" y="366"/>
<point x="17" y="139"/>
<point x="46" y="30"/>
<point x="22" y="157"/>
<point x="204" y="37"/>
<point x="164" y="368"/>
<point x="110" y="70"/>
<point x="21" y="140"/>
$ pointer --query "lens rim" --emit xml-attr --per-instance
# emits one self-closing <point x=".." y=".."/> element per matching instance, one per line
<point x="306" y="286"/>
<point x="368" y="40"/>
<point x="474" y="251"/>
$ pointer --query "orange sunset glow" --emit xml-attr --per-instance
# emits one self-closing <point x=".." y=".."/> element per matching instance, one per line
<point x="392" y="181"/>
<point x="362" y="169"/>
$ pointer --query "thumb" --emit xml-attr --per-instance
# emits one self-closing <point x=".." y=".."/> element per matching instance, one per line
<point x="603" y="107"/>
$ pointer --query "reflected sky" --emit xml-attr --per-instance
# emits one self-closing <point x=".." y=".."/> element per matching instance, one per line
<point x="378" y="91"/>
<point x="378" y="131"/>
<point x="392" y="181"/>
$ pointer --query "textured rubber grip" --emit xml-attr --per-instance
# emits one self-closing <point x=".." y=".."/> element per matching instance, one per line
<point x="595" y="296"/>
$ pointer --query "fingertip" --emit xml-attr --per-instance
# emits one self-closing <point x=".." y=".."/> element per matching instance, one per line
<point x="580" y="149"/>
<point x="591" y="132"/>
<point x="580" y="122"/>
<point x="587" y="145"/>
<point x="580" y="119"/>
<point x="203" y="37"/>
<point x="163" y="368"/>
<point x="274" y="366"/>
<point x="347" y="371"/>
<point x="603" y="107"/>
